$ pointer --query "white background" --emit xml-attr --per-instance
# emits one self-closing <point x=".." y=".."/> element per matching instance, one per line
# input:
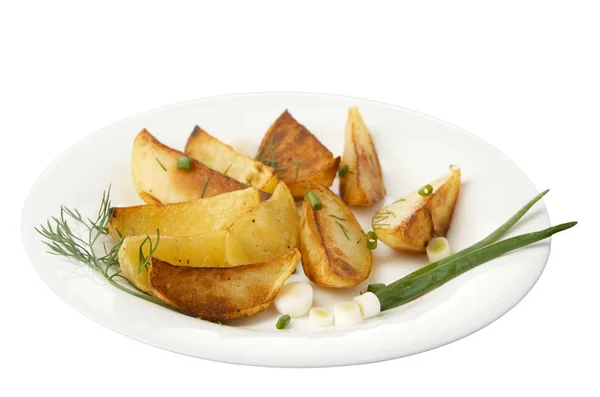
<point x="523" y="75"/>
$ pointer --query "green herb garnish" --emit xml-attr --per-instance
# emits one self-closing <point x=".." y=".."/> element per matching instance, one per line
<point x="204" y="187"/>
<point x="343" y="171"/>
<point x="343" y="229"/>
<point x="337" y="217"/>
<point x="426" y="190"/>
<point x="297" y="165"/>
<point x="315" y="202"/>
<point x="184" y="163"/>
<point x="266" y="160"/>
<point x="161" y="164"/>
<point x="283" y="322"/>
<point x="375" y="287"/>
<point x="380" y="218"/>
<point x="61" y="240"/>
<point x="144" y="260"/>
<point x="227" y="169"/>
<point x="371" y="240"/>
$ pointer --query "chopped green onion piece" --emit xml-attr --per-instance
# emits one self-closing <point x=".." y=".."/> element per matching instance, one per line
<point x="283" y="322"/>
<point x="315" y="202"/>
<point x="375" y="287"/>
<point x="426" y="190"/>
<point x="343" y="171"/>
<point x="184" y="163"/>
<point x="371" y="240"/>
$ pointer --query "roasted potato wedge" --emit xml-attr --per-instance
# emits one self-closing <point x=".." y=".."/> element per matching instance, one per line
<point x="184" y="219"/>
<point x="223" y="158"/>
<point x="334" y="246"/>
<point x="411" y="222"/>
<point x="221" y="293"/>
<point x="219" y="249"/>
<point x="271" y="229"/>
<point x="362" y="185"/>
<point x="297" y="155"/>
<point x="158" y="180"/>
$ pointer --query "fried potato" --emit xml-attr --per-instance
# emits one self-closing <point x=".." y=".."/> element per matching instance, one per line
<point x="271" y="229"/>
<point x="158" y="180"/>
<point x="334" y="246"/>
<point x="297" y="155"/>
<point x="219" y="249"/>
<point x="223" y="158"/>
<point x="411" y="222"/>
<point x="184" y="219"/>
<point x="363" y="184"/>
<point x="221" y="293"/>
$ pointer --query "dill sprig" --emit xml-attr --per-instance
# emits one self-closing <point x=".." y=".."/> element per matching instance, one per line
<point x="297" y="165"/>
<point x="62" y="240"/>
<point x="144" y="260"/>
<point x="161" y="164"/>
<point x="343" y="229"/>
<point x="204" y="187"/>
<point x="270" y="161"/>
<point x="380" y="218"/>
<point x="337" y="217"/>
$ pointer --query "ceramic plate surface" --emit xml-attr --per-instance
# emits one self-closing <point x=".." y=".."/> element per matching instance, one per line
<point x="413" y="149"/>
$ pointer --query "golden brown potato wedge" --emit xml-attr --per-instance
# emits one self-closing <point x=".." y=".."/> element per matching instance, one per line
<point x="334" y="247"/>
<point x="219" y="249"/>
<point x="411" y="222"/>
<point x="223" y="158"/>
<point x="271" y="229"/>
<point x="297" y="155"/>
<point x="362" y="185"/>
<point x="184" y="219"/>
<point x="158" y="180"/>
<point x="221" y="293"/>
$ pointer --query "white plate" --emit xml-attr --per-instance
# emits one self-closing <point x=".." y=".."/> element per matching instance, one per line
<point x="413" y="149"/>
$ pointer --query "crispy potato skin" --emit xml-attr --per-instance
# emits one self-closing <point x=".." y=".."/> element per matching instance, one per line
<point x="184" y="219"/>
<point x="154" y="184"/>
<point x="203" y="250"/>
<point x="412" y="236"/>
<point x="363" y="185"/>
<point x="221" y="157"/>
<point x="329" y="257"/>
<point x="270" y="229"/>
<point x="219" y="294"/>
<point x="432" y="218"/>
<point x="148" y="198"/>
<point x="286" y="141"/>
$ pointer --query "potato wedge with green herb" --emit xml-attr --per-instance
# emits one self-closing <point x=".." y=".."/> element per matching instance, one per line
<point x="184" y="219"/>
<point x="334" y="246"/>
<point x="411" y="222"/>
<point x="219" y="249"/>
<point x="361" y="179"/>
<point x="221" y="293"/>
<point x="158" y="178"/>
<point x="271" y="229"/>
<point x="223" y="158"/>
<point x="297" y="156"/>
